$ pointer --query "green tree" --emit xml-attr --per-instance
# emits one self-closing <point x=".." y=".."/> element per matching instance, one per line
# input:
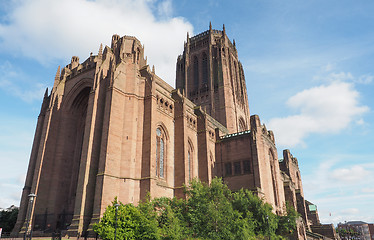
<point x="287" y="224"/>
<point x="169" y="218"/>
<point x="132" y="223"/>
<point x="210" y="214"/>
<point x="8" y="218"/>
<point x="259" y="214"/>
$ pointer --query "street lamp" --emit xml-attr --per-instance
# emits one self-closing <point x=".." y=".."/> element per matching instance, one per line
<point x="28" y="219"/>
<point x="268" y="226"/>
<point x="115" y="229"/>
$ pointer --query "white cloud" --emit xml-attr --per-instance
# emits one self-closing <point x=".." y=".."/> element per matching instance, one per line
<point x="343" y="77"/>
<point x="365" y="79"/>
<point x="48" y="30"/>
<point x="322" y="109"/>
<point x="165" y="8"/>
<point x="14" y="82"/>
<point x="13" y="190"/>
<point x="328" y="67"/>
<point x="360" y="121"/>
<point x="368" y="190"/>
<point x="16" y="136"/>
<point x="349" y="211"/>
<point x="21" y="179"/>
<point x="12" y="198"/>
<point x="340" y="190"/>
<point x="355" y="173"/>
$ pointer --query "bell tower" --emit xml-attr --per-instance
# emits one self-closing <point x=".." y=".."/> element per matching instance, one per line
<point x="210" y="75"/>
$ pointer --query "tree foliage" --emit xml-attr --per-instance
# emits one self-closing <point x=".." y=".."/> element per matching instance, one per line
<point x="347" y="232"/>
<point x="132" y="223"/>
<point x="208" y="212"/>
<point x="287" y="224"/>
<point x="8" y="218"/>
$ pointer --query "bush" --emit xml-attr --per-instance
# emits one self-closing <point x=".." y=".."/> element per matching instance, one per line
<point x="208" y="212"/>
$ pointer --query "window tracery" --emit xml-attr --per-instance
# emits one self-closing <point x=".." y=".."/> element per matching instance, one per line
<point x="190" y="160"/>
<point x="196" y="71"/>
<point x="160" y="153"/>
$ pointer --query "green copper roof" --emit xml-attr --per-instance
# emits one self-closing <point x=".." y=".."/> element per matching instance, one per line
<point x="312" y="208"/>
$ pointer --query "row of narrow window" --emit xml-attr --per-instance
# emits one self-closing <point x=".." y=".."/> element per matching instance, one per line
<point x="231" y="168"/>
<point x="204" y="68"/>
<point x="196" y="70"/>
<point x="237" y="168"/>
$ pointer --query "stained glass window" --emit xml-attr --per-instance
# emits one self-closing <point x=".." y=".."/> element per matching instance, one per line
<point x="158" y="132"/>
<point x="160" y="153"/>
<point x="161" y="158"/>
<point x="189" y="165"/>
<point x="157" y="156"/>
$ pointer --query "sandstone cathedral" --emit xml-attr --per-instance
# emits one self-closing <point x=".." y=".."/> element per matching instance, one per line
<point x="111" y="127"/>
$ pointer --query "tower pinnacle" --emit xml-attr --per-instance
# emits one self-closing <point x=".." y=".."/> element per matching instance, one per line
<point x="100" y="54"/>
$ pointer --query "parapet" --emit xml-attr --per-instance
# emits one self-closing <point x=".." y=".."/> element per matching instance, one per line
<point x="256" y="126"/>
<point x="115" y="39"/>
<point x="255" y="122"/>
<point x="288" y="157"/>
<point x="74" y="62"/>
<point x="128" y="49"/>
<point x="211" y="32"/>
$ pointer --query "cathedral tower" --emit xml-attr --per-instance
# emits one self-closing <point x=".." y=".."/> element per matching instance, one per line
<point x="111" y="127"/>
<point x="211" y="76"/>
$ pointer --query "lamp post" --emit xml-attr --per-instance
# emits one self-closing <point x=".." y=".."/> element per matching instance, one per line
<point x="268" y="227"/>
<point x="28" y="219"/>
<point x="115" y="228"/>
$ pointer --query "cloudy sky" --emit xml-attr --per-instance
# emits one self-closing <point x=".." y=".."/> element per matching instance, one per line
<point x="308" y="67"/>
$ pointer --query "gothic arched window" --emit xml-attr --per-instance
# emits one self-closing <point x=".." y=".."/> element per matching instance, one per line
<point x="241" y="79"/>
<point x="196" y="71"/>
<point x="190" y="160"/>
<point x="205" y="68"/>
<point x="236" y="78"/>
<point x="160" y="153"/>
<point x="189" y="164"/>
<point x="242" y="125"/>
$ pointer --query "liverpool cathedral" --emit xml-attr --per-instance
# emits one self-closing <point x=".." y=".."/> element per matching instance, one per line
<point x="110" y="127"/>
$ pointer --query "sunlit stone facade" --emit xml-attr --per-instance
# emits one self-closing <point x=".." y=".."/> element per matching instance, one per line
<point x="110" y="127"/>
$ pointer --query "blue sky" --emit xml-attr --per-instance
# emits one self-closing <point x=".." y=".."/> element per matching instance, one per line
<point x="308" y="67"/>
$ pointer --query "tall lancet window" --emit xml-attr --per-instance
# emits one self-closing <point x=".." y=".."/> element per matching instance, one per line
<point x="242" y="126"/>
<point x="189" y="165"/>
<point x="196" y="72"/>
<point x="205" y="68"/>
<point x="160" y="153"/>
<point x="237" y="79"/>
<point x="190" y="161"/>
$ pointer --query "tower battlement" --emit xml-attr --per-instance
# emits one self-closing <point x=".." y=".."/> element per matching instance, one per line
<point x="128" y="48"/>
<point x="212" y="76"/>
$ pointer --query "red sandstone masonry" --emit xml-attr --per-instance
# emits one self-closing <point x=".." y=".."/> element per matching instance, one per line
<point x="96" y="134"/>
